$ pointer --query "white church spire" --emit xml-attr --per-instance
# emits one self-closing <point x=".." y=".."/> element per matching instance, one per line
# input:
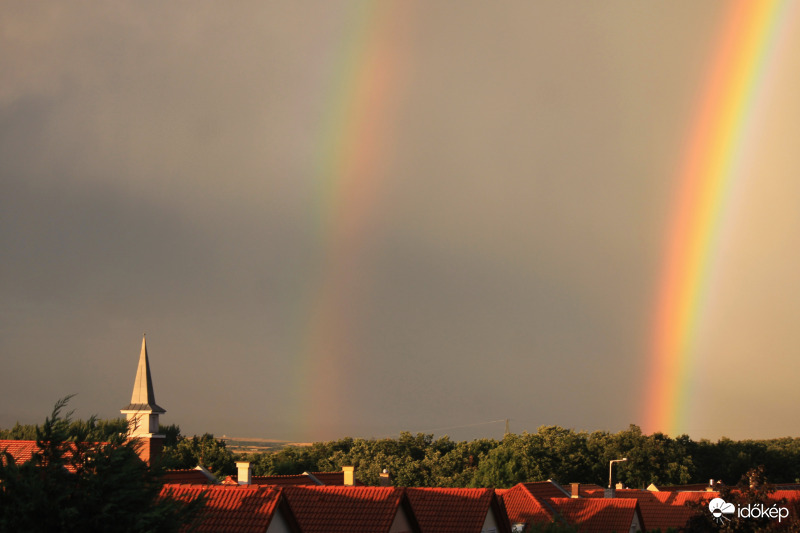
<point x="142" y="413"/>
<point x="143" y="397"/>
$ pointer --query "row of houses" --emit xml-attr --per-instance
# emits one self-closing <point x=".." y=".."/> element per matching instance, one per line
<point x="333" y="509"/>
<point x="336" y="501"/>
<point x="332" y="502"/>
<point x="305" y="504"/>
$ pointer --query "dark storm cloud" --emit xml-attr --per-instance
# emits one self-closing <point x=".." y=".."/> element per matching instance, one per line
<point x="159" y="173"/>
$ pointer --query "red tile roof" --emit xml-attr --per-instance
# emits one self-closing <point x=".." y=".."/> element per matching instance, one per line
<point x="664" y="517"/>
<point x="660" y="510"/>
<point x="669" y="498"/>
<point x="545" y="489"/>
<point x="233" y="509"/>
<point x="585" y="490"/>
<point x="20" y="450"/>
<point x="23" y="450"/>
<point x="695" y="487"/>
<point x="325" y="509"/>
<point x="326" y="478"/>
<point x="523" y="508"/>
<point x="190" y="476"/>
<point x="682" y="498"/>
<point x="446" y="510"/>
<point x="788" y="495"/>
<point x="599" y="515"/>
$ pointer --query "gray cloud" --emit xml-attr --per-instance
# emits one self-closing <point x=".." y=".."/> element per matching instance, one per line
<point x="160" y="173"/>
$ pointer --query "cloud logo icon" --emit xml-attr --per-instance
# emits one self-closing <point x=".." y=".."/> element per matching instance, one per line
<point x="719" y="508"/>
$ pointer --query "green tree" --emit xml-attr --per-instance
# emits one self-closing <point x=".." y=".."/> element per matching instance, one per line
<point x="19" y="432"/>
<point x="205" y="451"/>
<point x="73" y="483"/>
<point x="94" y="428"/>
<point x="502" y="467"/>
<point x="172" y="434"/>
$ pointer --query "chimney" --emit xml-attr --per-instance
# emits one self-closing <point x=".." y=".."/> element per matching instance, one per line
<point x="349" y="476"/>
<point x="609" y="493"/>
<point x="620" y="485"/>
<point x="576" y="490"/>
<point x="384" y="480"/>
<point x="244" y="472"/>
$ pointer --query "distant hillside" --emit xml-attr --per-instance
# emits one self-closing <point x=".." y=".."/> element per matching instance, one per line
<point x="254" y="445"/>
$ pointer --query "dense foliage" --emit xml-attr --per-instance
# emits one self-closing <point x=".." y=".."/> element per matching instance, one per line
<point x="75" y="482"/>
<point x="550" y="453"/>
<point x="206" y="451"/>
<point x="94" y="429"/>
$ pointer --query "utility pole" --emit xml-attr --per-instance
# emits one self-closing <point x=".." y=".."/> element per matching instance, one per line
<point x="507" y="428"/>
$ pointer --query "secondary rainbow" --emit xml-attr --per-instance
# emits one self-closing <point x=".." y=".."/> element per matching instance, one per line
<point x="709" y="174"/>
<point x="352" y="153"/>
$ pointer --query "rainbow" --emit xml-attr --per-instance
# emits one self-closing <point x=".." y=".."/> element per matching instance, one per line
<point x="364" y="79"/>
<point x="709" y="175"/>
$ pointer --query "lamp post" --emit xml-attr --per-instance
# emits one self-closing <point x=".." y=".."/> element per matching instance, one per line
<point x="610" y="465"/>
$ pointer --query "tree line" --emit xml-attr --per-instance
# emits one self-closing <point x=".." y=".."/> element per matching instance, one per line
<point x="552" y="452"/>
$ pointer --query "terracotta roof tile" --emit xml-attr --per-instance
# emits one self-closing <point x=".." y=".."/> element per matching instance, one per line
<point x="330" y="509"/>
<point x="449" y="510"/>
<point x="682" y="498"/>
<point x="230" y="509"/>
<point x="20" y="450"/>
<point x="522" y="507"/>
<point x="694" y="487"/>
<point x="585" y="490"/>
<point x="661" y="510"/>
<point x="326" y="478"/>
<point x="785" y="494"/>
<point x="598" y="515"/>
<point x="664" y="517"/>
<point x="186" y="476"/>
<point x="545" y="489"/>
<point x="23" y="450"/>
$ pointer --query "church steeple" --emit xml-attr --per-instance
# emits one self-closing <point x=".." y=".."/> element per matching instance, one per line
<point x="143" y="397"/>
<point x="142" y="413"/>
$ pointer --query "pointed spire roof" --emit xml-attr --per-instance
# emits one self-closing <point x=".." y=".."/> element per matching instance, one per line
<point x="143" y="397"/>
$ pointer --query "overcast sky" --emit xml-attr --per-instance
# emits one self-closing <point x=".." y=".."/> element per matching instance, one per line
<point x="492" y="251"/>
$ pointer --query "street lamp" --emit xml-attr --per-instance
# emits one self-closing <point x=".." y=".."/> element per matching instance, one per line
<point x="611" y="464"/>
